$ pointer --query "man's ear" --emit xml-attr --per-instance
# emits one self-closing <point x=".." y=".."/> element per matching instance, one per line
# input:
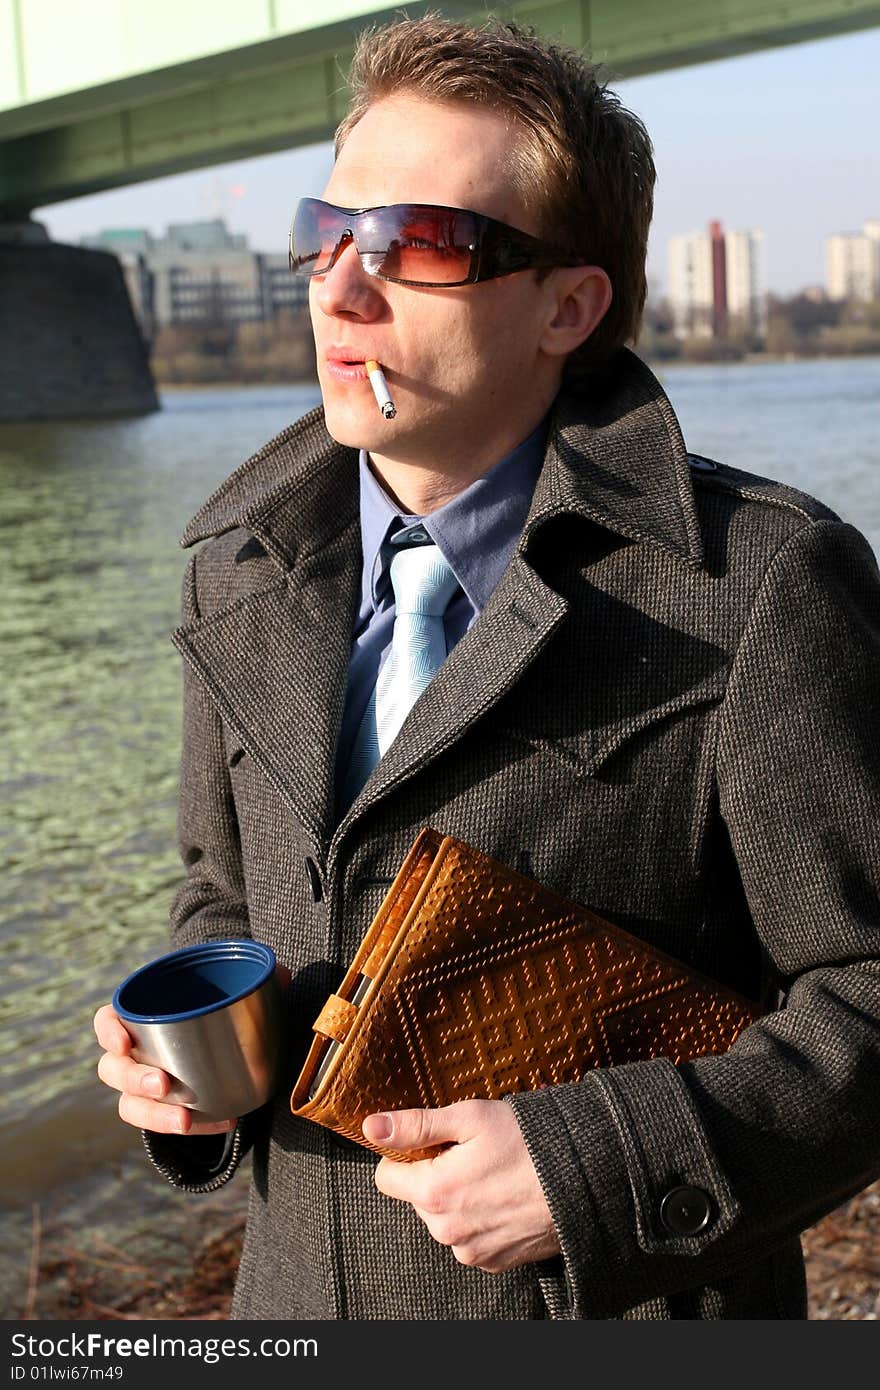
<point x="579" y="299"/>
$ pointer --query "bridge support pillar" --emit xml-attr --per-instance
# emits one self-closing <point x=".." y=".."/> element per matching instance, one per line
<point x="70" y="345"/>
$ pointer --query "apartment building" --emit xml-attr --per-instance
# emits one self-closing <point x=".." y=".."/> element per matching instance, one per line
<point x="717" y="283"/>
<point x="852" y="263"/>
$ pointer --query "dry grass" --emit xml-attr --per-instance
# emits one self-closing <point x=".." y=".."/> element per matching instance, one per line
<point x="843" y="1260"/>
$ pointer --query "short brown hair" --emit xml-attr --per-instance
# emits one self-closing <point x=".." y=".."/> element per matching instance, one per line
<point x="588" y="171"/>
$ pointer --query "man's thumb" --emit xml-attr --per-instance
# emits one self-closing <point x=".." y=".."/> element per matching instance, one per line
<point x="415" y="1129"/>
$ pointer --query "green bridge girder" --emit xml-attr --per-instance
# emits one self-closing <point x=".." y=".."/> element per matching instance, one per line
<point x="96" y="94"/>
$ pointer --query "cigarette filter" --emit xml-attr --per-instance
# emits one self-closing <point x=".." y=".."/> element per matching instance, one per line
<point x="380" y="389"/>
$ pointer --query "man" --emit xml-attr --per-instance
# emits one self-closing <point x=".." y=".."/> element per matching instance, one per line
<point x="659" y="699"/>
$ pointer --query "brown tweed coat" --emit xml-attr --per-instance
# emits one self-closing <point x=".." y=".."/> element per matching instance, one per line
<point x="668" y="711"/>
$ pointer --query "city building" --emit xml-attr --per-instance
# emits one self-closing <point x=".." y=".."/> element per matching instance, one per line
<point x="852" y="263"/>
<point x="200" y="272"/>
<point x="716" y="283"/>
<point x="691" y="285"/>
<point x="746" y="295"/>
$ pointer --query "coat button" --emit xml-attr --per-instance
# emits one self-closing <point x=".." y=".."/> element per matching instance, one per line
<point x="685" y="1211"/>
<point x="314" y="879"/>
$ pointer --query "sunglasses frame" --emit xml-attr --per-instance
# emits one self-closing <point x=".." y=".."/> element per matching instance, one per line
<point x="497" y="249"/>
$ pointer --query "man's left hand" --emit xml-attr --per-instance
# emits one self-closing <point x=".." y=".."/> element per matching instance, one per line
<point x="481" y="1195"/>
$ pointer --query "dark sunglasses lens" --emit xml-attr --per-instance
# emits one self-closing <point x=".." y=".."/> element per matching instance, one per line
<point x="425" y="245"/>
<point x="317" y="228"/>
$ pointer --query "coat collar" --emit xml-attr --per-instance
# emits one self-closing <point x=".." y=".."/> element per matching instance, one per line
<point x="615" y="455"/>
<point x="295" y="495"/>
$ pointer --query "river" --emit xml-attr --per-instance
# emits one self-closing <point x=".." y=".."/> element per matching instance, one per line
<point x="90" y="515"/>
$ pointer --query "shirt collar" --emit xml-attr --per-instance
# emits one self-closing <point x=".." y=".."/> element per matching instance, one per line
<point x="476" y="532"/>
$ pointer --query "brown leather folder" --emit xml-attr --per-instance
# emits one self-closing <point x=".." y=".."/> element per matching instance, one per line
<point x="475" y="981"/>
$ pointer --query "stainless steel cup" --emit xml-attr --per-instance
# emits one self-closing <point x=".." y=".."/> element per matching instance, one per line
<point x="210" y="1016"/>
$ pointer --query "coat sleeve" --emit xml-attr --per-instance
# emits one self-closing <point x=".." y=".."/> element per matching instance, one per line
<point x="786" y="1125"/>
<point x="210" y="904"/>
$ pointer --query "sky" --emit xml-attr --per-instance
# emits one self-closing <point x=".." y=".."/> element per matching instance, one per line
<point x="787" y="140"/>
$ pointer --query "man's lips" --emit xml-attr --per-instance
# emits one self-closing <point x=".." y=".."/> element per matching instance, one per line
<point x="346" y="371"/>
<point x="346" y="364"/>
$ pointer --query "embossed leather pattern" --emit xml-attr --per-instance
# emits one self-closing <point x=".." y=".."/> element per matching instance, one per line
<point x="486" y="983"/>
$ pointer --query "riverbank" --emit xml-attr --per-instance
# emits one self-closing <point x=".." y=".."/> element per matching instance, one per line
<point x="79" y="1276"/>
<point x="121" y="1243"/>
<point x="281" y="351"/>
<point x="658" y="365"/>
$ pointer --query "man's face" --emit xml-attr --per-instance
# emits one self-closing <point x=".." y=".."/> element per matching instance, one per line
<point x="460" y="362"/>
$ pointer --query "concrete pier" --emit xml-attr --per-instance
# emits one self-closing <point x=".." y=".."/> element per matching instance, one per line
<point x="70" y="346"/>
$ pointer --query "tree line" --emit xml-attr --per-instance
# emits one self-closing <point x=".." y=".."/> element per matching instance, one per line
<point x="216" y="349"/>
<point x="803" y="325"/>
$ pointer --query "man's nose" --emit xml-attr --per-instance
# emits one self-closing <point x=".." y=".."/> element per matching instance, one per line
<point x="347" y="289"/>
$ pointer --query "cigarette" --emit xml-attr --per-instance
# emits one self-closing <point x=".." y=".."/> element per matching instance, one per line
<point x="380" y="389"/>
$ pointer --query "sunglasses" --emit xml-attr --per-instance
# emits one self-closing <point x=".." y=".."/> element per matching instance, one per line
<point x="415" y="243"/>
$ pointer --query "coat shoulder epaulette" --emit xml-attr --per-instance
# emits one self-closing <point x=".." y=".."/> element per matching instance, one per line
<point x="751" y="487"/>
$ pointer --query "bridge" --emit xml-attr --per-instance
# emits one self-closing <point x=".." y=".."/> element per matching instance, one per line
<point x="104" y="93"/>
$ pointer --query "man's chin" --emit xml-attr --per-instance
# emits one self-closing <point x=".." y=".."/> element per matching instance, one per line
<point x="356" y="427"/>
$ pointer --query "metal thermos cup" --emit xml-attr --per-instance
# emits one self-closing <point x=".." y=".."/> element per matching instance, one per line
<point x="211" y="1016"/>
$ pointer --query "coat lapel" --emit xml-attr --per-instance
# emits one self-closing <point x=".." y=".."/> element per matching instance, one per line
<point x="275" y="658"/>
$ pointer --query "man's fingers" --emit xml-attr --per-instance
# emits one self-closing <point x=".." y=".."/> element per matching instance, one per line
<point x="118" y="1069"/>
<point x="143" y="1088"/>
<point x="124" y="1074"/>
<point x="167" y="1119"/>
<point x="423" y="1129"/>
<point x="110" y="1032"/>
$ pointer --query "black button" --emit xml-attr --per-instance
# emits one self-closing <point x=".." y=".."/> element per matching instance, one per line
<point x="314" y="879"/>
<point x="685" y="1211"/>
<point x="701" y="464"/>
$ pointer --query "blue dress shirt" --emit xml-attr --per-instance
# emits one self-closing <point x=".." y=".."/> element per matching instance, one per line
<point x="476" y="532"/>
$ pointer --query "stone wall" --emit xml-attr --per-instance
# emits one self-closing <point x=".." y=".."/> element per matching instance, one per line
<point x="69" y="342"/>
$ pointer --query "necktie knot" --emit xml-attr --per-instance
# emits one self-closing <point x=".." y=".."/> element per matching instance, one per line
<point x="423" y="580"/>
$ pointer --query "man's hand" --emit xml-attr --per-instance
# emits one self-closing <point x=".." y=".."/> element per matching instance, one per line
<point x="481" y="1196"/>
<point x="143" y="1088"/>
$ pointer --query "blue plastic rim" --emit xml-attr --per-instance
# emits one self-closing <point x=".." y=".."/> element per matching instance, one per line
<point x="193" y="981"/>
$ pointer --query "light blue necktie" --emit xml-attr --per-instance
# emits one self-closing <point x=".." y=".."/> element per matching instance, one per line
<point x="423" y="583"/>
